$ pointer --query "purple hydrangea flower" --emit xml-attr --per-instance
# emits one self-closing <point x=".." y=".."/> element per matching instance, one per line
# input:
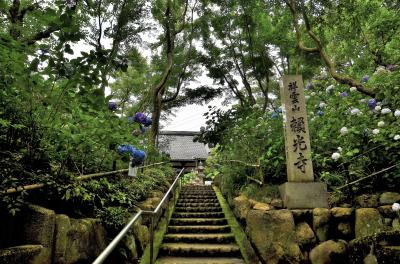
<point x="372" y="103"/>
<point x="392" y="67"/>
<point x="365" y="79"/>
<point x="112" y="106"/>
<point x="344" y="94"/>
<point x="140" y="117"/>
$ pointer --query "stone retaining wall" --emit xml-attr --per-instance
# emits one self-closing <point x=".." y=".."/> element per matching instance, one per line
<point x="317" y="235"/>
<point x="40" y="236"/>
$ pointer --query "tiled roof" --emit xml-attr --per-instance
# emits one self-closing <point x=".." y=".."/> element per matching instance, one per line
<point x="180" y="146"/>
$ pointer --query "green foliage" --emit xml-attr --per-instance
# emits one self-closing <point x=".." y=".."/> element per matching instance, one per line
<point x="188" y="177"/>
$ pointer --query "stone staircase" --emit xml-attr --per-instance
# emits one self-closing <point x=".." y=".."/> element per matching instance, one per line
<point x="198" y="231"/>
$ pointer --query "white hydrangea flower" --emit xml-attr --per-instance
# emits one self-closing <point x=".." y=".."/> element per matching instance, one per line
<point x="329" y="88"/>
<point x="396" y="207"/>
<point x="378" y="108"/>
<point x="313" y="94"/>
<point x="375" y="131"/>
<point x="386" y="111"/>
<point x="322" y="104"/>
<point x="396" y="137"/>
<point x="340" y="149"/>
<point x="343" y="130"/>
<point x="307" y="97"/>
<point x="363" y="100"/>
<point x="335" y="156"/>
<point x="353" y="89"/>
<point x="397" y="113"/>
<point x="355" y="111"/>
<point x="381" y="124"/>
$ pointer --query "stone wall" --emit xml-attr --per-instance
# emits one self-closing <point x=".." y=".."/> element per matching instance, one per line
<point x="40" y="236"/>
<point x="337" y="235"/>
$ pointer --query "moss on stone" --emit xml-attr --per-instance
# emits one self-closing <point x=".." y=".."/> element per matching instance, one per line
<point x="241" y="238"/>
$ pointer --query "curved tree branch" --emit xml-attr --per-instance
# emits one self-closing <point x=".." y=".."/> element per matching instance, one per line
<point x="343" y="79"/>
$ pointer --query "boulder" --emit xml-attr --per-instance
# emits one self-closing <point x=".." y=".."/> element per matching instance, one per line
<point x="150" y="204"/>
<point x="241" y="206"/>
<point x="262" y="207"/>
<point x="389" y="198"/>
<point x="63" y="225"/>
<point x="273" y="234"/>
<point x="368" y="222"/>
<point x="305" y="235"/>
<point x="38" y="228"/>
<point x="330" y="252"/>
<point x="321" y="217"/>
<point x="86" y="239"/>
<point x="131" y="247"/>
<point x="278" y="203"/>
<point x="142" y="236"/>
<point x="21" y="254"/>
<point x="253" y="202"/>
<point x="341" y="212"/>
<point x="367" y="200"/>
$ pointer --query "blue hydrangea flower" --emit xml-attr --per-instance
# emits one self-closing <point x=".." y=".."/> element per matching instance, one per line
<point x="372" y="103"/>
<point x="147" y="122"/>
<point x="320" y="113"/>
<point x="137" y="155"/>
<point x="344" y="94"/>
<point x="365" y="79"/>
<point x="112" y="106"/>
<point x="309" y="86"/>
<point x="142" y="129"/>
<point x="131" y="119"/>
<point x="279" y="110"/>
<point x="274" y="115"/>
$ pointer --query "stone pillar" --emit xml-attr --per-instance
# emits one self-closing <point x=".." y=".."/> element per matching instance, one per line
<point x="300" y="191"/>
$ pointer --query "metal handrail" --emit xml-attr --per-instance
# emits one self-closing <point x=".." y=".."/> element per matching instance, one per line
<point x="117" y="239"/>
<point x="107" y="251"/>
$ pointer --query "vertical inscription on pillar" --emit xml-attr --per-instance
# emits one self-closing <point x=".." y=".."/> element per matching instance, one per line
<point x="297" y="138"/>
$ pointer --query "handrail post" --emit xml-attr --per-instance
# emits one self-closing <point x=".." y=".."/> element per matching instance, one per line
<point x="152" y="238"/>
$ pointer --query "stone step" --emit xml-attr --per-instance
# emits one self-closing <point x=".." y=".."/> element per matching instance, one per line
<point x="198" y="221"/>
<point x="197" y="200"/>
<point x="198" y="204"/>
<point x="191" y="196"/>
<point x="198" y="215"/>
<point x="203" y="250"/>
<point x="199" y="260"/>
<point x="20" y="254"/>
<point x="200" y="238"/>
<point x="198" y="209"/>
<point x="198" y="193"/>
<point x="197" y="188"/>
<point x="198" y="229"/>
